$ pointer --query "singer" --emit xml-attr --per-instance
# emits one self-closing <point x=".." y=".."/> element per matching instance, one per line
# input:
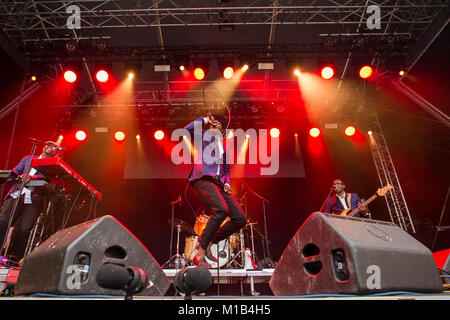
<point x="211" y="181"/>
<point x="29" y="207"/>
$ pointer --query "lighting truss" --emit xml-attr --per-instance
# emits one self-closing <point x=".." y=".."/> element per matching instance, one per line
<point x="31" y="20"/>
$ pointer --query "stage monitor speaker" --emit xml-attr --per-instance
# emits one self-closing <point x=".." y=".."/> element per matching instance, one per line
<point x="334" y="254"/>
<point x="67" y="262"/>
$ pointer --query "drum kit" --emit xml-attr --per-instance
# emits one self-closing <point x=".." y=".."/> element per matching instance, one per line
<point x="237" y="251"/>
<point x="228" y="253"/>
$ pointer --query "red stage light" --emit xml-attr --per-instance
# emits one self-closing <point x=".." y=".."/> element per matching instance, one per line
<point x="199" y="74"/>
<point x="365" y="72"/>
<point x="70" y="76"/>
<point x="80" y="135"/>
<point x="119" y="135"/>
<point x="349" y="131"/>
<point x="102" y="76"/>
<point x="159" y="135"/>
<point x="228" y="73"/>
<point x="314" y="132"/>
<point x="327" y="73"/>
<point x="274" y="132"/>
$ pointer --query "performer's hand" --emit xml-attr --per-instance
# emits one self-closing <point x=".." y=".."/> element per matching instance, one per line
<point x="227" y="189"/>
<point x="210" y="118"/>
<point x="363" y="209"/>
<point x="25" y="177"/>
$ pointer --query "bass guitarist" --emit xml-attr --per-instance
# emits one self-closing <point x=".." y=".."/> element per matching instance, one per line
<point x="341" y="201"/>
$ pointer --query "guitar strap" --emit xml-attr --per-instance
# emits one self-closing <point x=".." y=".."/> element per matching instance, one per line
<point x="348" y="200"/>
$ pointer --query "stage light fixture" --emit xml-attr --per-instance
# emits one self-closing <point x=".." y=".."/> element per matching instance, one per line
<point x="274" y="132"/>
<point x="228" y="73"/>
<point x="350" y="131"/>
<point x="80" y="135"/>
<point x="327" y="72"/>
<point x="245" y="67"/>
<point x="70" y="76"/>
<point x="200" y="68"/>
<point x="119" y="136"/>
<point x="132" y="69"/>
<point x="138" y="137"/>
<point x="369" y="132"/>
<point x="294" y="64"/>
<point x="297" y="72"/>
<point x="401" y="73"/>
<point x="365" y="72"/>
<point x="159" y="135"/>
<point x="33" y="78"/>
<point x="102" y="76"/>
<point x="180" y="63"/>
<point x="314" y="132"/>
<point x="199" y="73"/>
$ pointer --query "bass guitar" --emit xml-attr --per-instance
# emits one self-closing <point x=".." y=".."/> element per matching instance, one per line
<point x="380" y="193"/>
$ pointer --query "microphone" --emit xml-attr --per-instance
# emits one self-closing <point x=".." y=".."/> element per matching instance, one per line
<point x="192" y="280"/>
<point x="130" y="279"/>
<point x="36" y="140"/>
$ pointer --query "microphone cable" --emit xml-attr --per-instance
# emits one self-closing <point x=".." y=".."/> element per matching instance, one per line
<point x="187" y="201"/>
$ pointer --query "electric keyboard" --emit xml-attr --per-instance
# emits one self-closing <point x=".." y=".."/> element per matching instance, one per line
<point x="64" y="176"/>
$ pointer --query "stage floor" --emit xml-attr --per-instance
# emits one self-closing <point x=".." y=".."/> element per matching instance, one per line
<point x="228" y="284"/>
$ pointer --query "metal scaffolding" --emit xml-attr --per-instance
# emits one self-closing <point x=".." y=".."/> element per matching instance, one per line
<point x="21" y="17"/>
<point x="395" y="199"/>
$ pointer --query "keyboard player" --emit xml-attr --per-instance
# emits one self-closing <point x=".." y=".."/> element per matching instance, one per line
<point x="29" y="206"/>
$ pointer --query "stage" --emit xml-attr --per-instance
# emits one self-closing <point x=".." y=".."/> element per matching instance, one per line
<point x="239" y="282"/>
<point x="325" y="179"/>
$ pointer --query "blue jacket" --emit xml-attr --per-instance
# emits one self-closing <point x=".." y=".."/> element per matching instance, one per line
<point x="334" y="205"/>
<point x="20" y="169"/>
<point x="204" y="168"/>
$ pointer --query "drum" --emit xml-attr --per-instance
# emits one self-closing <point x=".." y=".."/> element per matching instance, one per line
<point x="222" y="252"/>
<point x="201" y="222"/>
<point x="189" y="248"/>
<point x="235" y="240"/>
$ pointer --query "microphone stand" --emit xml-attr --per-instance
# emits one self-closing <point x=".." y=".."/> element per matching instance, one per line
<point x="242" y="239"/>
<point x="177" y="255"/>
<point x="22" y="186"/>
<point x="268" y="258"/>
